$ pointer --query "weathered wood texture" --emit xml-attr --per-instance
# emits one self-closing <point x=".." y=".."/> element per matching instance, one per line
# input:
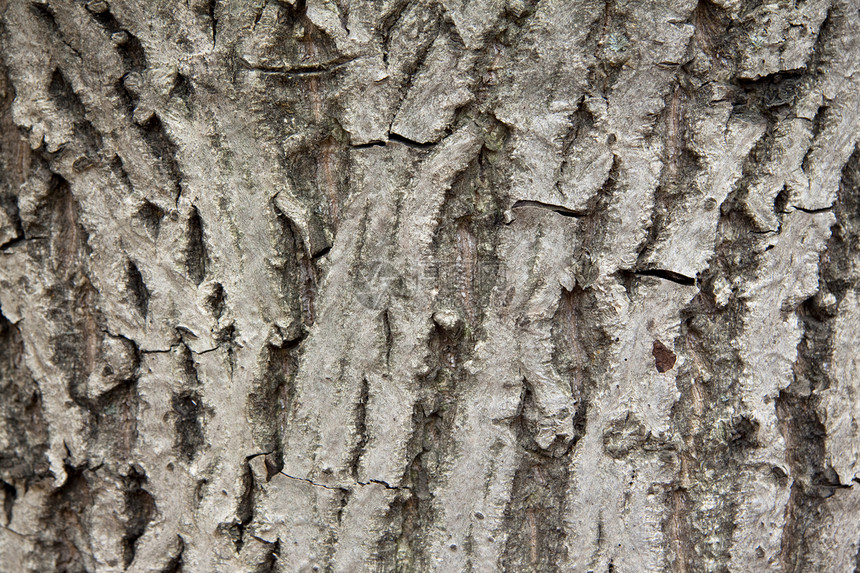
<point x="413" y="285"/>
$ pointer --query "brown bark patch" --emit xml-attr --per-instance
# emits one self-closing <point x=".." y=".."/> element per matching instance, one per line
<point x="664" y="358"/>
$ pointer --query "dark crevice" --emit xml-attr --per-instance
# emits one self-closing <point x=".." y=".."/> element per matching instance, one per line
<point x="10" y="494"/>
<point x="129" y="47"/>
<point x="593" y="227"/>
<point x="667" y="275"/>
<point x="780" y="202"/>
<point x="535" y="514"/>
<point x="712" y="23"/>
<point x="388" y="23"/>
<point x="564" y="211"/>
<point x="186" y="334"/>
<point x="857" y="559"/>
<point x="321" y="252"/>
<point x="360" y="429"/>
<point x="274" y="463"/>
<point x="682" y="165"/>
<point x="258" y="15"/>
<point x="117" y="167"/>
<point x="245" y="511"/>
<point x="817" y="126"/>
<point x="12" y="243"/>
<point x="200" y="491"/>
<point x="773" y="90"/>
<point x="212" y="5"/>
<point x="176" y="562"/>
<point x="342" y="503"/>
<point x="397" y="138"/>
<point x="468" y="272"/>
<point x="226" y="339"/>
<point x="9" y="202"/>
<point x="818" y="121"/>
<point x="701" y="520"/>
<point x="270" y="562"/>
<point x="58" y="217"/>
<point x="65" y="98"/>
<point x="131" y="51"/>
<point x="403" y="545"/>
<point x="386" y="485"/>
<point x="468" y="269"/>
<point x="798" y="405"/>
<point x="151" y="216"/>
<point x="426" y="35"/>
<point x="270" y="401"/>
<point x="188" y="411"/>
<point x="182" y="87"/>
<point x="389" y="341"/>
<point x="296" y="268"/>
<point x="114" y="417"/>
<point x="63" y="543"/>
<point x="394" y="138"/>
<point x="813" y="481"/>
<point x="139" y="508"/>
<point x="582" y="122"/>
<point x="236" y="530"/>
<point x="137" y="288"/>
<point x="44" y="13"/>
<point x="103" y="16"/>
<point x="189" y="367"/>
<point x="216" y="301"/>
<point x="196" y="257"/>
<point x="368" y="145"/>
<point x="164" y="150"/>
<point x="313" y="483"/>
<point x="307" y="290"/>
<point x="813" y="211"/>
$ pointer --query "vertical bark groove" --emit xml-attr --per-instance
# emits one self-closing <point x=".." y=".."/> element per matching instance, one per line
<point x="415" y="285"/>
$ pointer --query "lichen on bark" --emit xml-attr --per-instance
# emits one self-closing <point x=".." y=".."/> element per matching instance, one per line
<point x="423" y="285"/>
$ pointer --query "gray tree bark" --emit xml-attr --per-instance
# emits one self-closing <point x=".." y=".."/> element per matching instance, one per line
<point x="420" y="285"/>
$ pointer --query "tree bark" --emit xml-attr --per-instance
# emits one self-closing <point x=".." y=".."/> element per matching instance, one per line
<point x="418" y="285"/>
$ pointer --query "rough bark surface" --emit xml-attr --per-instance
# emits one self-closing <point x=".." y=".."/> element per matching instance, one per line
<point x="413" y="285"/>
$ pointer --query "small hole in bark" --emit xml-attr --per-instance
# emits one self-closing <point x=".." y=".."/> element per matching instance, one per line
<point x="150" y="215"/>
<point x="781" y="201"/>
<point x="181" y="87"/>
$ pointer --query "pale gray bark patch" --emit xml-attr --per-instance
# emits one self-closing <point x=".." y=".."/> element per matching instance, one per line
<point x="418" y="285"/>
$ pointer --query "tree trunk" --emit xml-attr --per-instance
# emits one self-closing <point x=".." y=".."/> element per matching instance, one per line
<point x="416" y="285"/>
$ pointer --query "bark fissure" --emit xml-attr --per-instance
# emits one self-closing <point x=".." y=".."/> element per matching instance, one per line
<point x="406" y="286"/>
